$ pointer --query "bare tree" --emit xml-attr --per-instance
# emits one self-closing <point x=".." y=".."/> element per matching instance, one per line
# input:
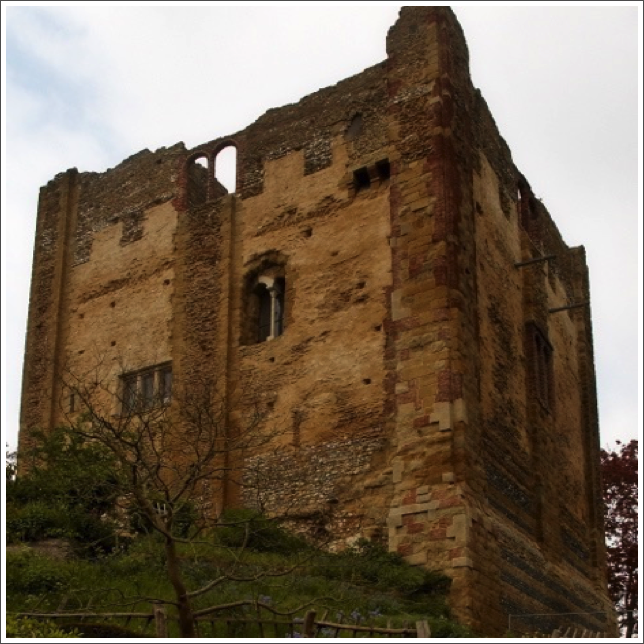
<point x="174" y="450"/>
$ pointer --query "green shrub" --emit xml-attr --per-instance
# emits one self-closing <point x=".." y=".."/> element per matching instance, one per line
<point x="368" y="563"/>
<point x="101" y="630"/>
<point x="35" y="521"/>
<point x="246" y="527"/>
<point x="132" y="563"/>
<point x="39" y="520"/>
<point x="199" y="573"/>
<point x="23" y="627"/>
<point x="33" y="574"/>
<point x="90" y="535"/>
<point x="442" y="627"/>
<point x="185" y="516"/>
<point x="70" y="486"/>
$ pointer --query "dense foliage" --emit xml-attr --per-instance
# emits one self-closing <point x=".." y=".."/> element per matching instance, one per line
<point x="243" y="528"/>
<point x="369" y="564"/>
<point x="33" y="574"/>
<point x="365" y="583"/>
<point x="69" y="493"/>
<point x="619" y="475"/>
<point x="24" y="628"/>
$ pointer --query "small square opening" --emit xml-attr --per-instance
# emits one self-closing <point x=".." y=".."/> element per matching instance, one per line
<point x="384" y="169"/>
<point x="361" y="179"/>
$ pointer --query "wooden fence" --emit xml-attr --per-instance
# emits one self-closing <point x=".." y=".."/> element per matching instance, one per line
<point x="211" y="623"/>
<point x="309" y="627"/>
<point x="575" y="633"/>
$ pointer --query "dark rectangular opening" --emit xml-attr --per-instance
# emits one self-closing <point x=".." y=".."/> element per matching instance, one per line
<point x="361" y="179"/>
<point x="384" y="169"/>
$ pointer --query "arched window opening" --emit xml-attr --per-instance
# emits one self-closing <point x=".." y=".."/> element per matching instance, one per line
<point x="226" y="171"/>
<point x="197" y="181"/>
<point x="264" y="309"/>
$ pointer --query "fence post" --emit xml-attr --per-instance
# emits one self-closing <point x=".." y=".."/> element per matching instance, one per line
<point x="160" y="620"/>
<point x="309" y="623"/>
<point x="422" y="629"/>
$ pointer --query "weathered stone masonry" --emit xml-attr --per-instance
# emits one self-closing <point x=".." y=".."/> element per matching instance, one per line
<point x="422" y="388"/>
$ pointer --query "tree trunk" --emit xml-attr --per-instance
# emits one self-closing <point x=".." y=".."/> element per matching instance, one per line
<point x="186" y="618"/>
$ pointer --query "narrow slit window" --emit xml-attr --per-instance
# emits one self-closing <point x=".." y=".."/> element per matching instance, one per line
<point x="541" y="367"/>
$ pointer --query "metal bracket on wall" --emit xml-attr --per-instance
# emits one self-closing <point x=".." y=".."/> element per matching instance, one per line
<point x="527" y="262"/>
<point x="568" y="307"/>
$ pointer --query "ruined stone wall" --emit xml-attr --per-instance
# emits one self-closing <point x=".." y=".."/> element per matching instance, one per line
<point x="87" y="312"/>
<point x="119" y="281"/>
<point x="304" y="210"/>
<point x="404" y="400"/>
<point x="55" y="204"/>
<point x="122" y="195"/>
<point x="538" y="538"/>
<point x="532" y="456"/>
<point x="337" y="269"/>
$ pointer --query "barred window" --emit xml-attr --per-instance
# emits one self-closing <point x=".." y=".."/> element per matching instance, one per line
<point x="146" y="389"/>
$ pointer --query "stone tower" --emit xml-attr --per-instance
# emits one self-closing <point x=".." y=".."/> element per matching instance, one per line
<point x="384" y="285"/>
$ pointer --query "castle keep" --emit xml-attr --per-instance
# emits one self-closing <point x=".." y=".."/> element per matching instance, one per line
<point x="386" y="288"/>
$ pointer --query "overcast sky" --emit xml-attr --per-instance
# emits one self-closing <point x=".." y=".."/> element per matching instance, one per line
<point x="87" y="86"/>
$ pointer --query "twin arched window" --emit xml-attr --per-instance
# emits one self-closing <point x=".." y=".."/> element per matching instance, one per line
<point x="264" y="300"/>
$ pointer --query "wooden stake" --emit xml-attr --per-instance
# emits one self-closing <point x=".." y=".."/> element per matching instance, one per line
<point x="160" y="620"/>
<point x="309" y="624"/>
